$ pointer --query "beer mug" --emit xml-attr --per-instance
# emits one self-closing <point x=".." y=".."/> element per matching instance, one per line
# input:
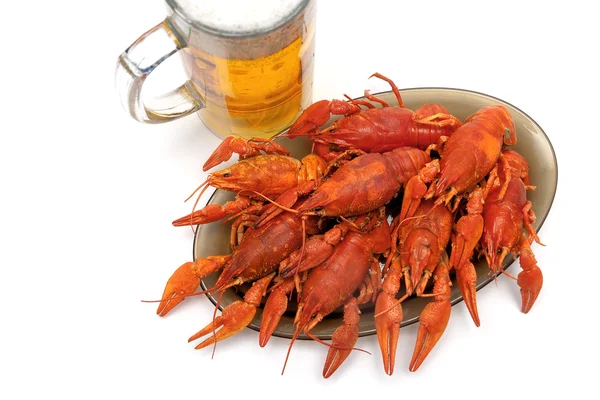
<point x="249" y="63"/>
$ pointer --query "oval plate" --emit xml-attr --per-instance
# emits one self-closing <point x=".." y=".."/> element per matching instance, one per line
<point x="532" y="143"/>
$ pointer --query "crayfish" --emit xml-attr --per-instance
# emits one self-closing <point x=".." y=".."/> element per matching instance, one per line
<point x="316" y="231"/>
<point x="374" y="130"/>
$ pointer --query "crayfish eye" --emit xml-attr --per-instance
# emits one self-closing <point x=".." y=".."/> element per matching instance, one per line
<point x="332" y="130"/>
<point x="313" y="316"/>
<point x="226" y="175"/>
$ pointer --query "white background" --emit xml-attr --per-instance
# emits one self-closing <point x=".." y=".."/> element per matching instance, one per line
<point x="89" y="195"/>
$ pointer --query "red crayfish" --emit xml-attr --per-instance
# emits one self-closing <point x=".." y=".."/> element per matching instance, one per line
<point x="374" y="130"/>
<point x="326" y="226"/>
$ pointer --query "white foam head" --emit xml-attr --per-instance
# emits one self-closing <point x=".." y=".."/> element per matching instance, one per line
<point x="239" y="16"/>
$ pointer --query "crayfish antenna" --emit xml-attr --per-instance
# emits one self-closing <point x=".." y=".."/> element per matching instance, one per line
<point x="296" y="333"/>
<point x="214" y="332"/>
<point x="297" y="269"/>
<point x="204" y="185"/>
<point x="303" y="320"/>
<point x="196" y="190"/>
<point x="274" y="202"/>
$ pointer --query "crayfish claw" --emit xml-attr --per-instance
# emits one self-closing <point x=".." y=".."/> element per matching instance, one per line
<point x="222" y="153"/>
<point x="316" y="250"/>
<point x="530" y="279"/>
<point x="186" y="279"/>
<point x="529" y="292"/>
<point x="213" y="212"/>
<point x="433" y="324"/>
<point x="343" y="339"/>
<point x="467" y="279"/>
<point x="235" y="317"/>
<point x="245" y="148"/>
<point x="415" y="191"/>
<point x="313" y="117"/>
<point x="434" y="317"/>
<point x="274" y="308"/>
<point x="183" y="282"/>
<point x="387" y="326"/>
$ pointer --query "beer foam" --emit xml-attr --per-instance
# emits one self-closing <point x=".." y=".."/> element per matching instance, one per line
<point x="239" y="16"/>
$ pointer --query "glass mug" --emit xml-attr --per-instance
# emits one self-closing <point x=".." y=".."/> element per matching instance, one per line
<point x="249" y="62"/>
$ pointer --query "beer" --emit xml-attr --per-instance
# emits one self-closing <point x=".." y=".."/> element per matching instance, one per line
<point x="253" y="84"/>
<point x="249" y="65"/>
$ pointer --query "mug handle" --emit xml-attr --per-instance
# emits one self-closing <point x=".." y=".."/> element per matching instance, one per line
<point x="137" y="62"/>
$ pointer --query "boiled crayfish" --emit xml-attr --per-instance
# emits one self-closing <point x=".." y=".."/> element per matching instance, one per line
<point x="317" y="227"/>
<point x="374" y="130"/>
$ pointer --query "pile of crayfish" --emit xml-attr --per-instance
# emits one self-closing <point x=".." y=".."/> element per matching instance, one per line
<point x="321" y="229"/>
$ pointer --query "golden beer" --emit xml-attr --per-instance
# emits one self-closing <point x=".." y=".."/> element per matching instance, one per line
<point x="254" y="85"/>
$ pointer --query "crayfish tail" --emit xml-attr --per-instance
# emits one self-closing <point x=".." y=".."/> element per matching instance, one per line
<point x="299" y="327"/>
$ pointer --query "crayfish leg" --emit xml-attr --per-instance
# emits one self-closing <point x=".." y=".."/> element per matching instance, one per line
<point x="371" y="284"/>
<point x="376" y="99"/>
<point x="392" y="85"/>
<point x="528" y="220"/>
<point x="440" y="120"/>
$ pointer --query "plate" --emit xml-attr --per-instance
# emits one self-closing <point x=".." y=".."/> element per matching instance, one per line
<point x="532" y="143"/>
